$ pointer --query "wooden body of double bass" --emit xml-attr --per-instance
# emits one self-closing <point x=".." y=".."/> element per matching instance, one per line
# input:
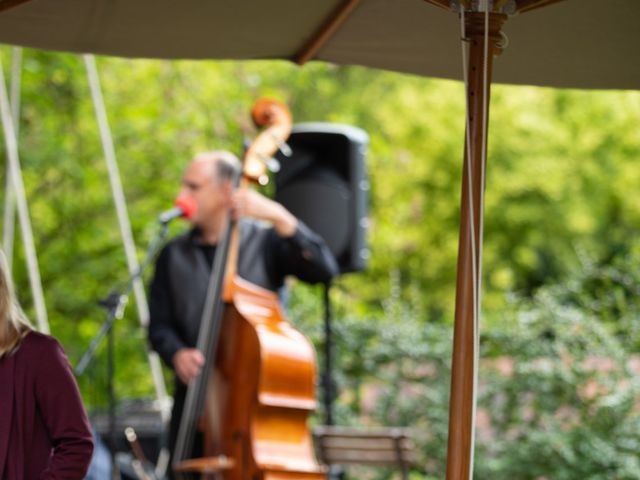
<point x="263" y="386"/>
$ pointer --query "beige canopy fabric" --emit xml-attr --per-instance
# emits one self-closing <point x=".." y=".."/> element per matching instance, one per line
<point x="572" y="43"/>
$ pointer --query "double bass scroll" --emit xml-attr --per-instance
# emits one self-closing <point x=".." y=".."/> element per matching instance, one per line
<point x="253" y="398"/>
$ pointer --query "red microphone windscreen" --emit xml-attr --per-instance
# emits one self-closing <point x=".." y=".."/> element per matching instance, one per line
<point x="188" y="206"/>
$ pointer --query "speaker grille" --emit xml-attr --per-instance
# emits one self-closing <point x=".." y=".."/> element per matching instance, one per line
<point x="324" y="184"/>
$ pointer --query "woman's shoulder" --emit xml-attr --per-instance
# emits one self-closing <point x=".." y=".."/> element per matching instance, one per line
<point x="37" y="343"/>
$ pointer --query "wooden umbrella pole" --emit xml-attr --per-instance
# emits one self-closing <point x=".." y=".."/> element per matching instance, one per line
<point x="461" y="404"/>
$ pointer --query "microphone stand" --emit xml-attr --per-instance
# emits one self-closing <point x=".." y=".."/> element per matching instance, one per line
<point x="115" y="304"/>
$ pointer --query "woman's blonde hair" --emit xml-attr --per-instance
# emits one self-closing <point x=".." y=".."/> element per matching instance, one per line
<point x="14" y="325"/>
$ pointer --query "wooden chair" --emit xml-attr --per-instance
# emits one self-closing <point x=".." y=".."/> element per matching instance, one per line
<point x="373" y="447"/>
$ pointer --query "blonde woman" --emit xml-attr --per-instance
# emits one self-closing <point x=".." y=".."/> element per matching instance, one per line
<point x="44" y="431"/>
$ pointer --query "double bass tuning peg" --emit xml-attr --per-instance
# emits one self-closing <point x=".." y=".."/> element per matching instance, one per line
<point x="283" y="146"/>
<point x="272" y="164"/>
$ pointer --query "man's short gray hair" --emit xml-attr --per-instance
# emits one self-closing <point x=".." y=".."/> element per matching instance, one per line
<point x="226" y="164"/>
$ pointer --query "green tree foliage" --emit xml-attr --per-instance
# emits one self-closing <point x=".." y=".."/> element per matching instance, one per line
<point x="560" y="399"/>
<point x="558" y="388"/>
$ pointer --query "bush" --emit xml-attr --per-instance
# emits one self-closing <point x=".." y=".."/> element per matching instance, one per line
<point x="558" y="383"/>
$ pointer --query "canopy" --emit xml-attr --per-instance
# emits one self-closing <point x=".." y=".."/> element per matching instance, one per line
<point x="572" y="43"/>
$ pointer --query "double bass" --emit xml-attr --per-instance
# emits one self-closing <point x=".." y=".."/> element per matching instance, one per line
<point x="255" y="393"/>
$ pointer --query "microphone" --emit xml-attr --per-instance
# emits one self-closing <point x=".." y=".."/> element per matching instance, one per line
<point x="185" y="207"/>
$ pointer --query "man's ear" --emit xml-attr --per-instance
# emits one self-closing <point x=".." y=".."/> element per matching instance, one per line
<point x="227" y="190"/>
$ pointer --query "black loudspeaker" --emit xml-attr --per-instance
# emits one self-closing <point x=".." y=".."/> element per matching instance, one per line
<point x="324" y="183"/>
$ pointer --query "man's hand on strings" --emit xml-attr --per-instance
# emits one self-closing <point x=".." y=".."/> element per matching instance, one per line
<point x="187" y="362"/>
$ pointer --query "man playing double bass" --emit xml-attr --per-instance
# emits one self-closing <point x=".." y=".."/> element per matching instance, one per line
<point x="273" y="244"/>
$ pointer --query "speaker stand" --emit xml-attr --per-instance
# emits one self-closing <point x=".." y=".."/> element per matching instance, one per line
<point x="329" y="390"/>
<point x="328" y="384"/>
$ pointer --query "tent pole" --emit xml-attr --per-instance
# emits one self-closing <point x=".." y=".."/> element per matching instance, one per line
<point x="9" y="220"/>
<point x="9" y="4"/>
<point x="320" y="38"/>
<point x="14" y="171"/>
<point x="125" y="225"/>
<point x="463" y="377"/>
